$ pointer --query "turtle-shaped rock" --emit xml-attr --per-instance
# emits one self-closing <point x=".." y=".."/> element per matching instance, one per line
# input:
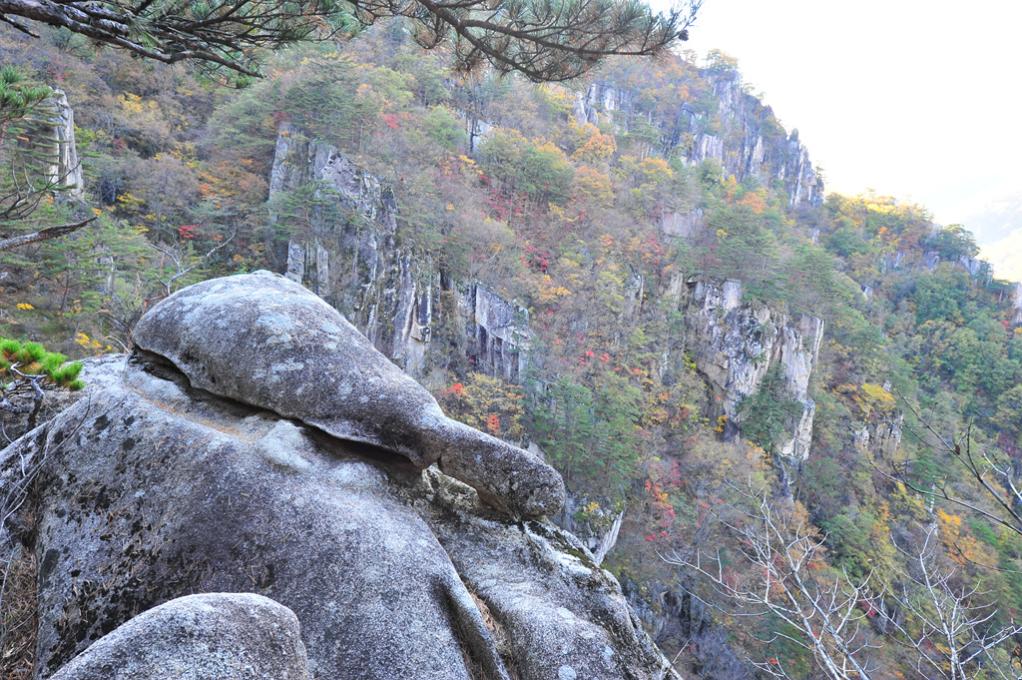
<point x="266" y="341"/>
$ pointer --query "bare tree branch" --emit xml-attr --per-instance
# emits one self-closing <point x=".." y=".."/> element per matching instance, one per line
<point x="997" y="477"/>
<point x="949" y="631"/>
<point x="783" y="554"/>
<point x="178" y="258"/>
<point x="46" y="234"/>
<point x="780" y="573"/>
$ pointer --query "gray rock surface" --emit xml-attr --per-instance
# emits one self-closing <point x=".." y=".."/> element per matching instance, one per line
<point x="1017" y="305"/>
<point x="199" y="637"/>
<point x="150" y="488"/>
<point x="65" y="169"/>
<point x="266" y="341"/>
<point x="879" y="436"/>
<point x="154" y="490"/>
<point x="555" y="612"/>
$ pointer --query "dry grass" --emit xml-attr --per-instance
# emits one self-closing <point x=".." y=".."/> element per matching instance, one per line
<point x="500" y="635"/>
<point x="18" y="617"/>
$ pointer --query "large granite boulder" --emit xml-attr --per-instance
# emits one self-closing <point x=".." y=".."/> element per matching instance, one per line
<point x="161" y="482"/>
<point x="264" y="340"/>
<point x="199" y="637"/>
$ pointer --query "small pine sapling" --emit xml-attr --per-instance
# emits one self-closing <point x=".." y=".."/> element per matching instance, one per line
<point x="26" y="370"/>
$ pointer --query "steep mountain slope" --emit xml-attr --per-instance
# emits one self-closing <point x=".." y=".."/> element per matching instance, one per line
<point x="639" y="275"/>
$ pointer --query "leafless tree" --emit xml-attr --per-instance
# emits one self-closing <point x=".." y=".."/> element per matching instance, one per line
<point x="178" y="262"/>
<point x="784" y="556"/>
<point x="996" y="474"/>
<point x="776" y="568"/>
<point x="947" y="626"/>
<point x="544" y="39"/>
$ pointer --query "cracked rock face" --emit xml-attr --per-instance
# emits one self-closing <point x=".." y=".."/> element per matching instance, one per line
<point x="266" y="341"/>
<point x="219" y="635"/>
<point x="181" y="472"/>
<point x="736" y="344"/>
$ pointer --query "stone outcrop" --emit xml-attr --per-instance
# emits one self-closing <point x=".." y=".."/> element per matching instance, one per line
<point x="683" y="225"/>
<point x="500" y="341"/>
<point x="354" y="259"/>
<point x="303" y="360"/>
<point x="197" y="637"/>
<point x="178" y="475"/>
<point x="739" y="132"/>
<point x="734" y="346"/>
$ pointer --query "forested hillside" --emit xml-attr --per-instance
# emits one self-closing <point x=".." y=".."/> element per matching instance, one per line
<point x="638" y="274"/>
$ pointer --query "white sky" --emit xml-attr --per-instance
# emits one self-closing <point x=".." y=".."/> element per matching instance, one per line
<point x="918" y="99"/>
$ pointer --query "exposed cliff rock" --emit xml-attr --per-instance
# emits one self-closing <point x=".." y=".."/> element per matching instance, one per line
<point x="500" y="341"/>
<point x="598" y="532"/>
<point x="683" y="225"/>
<point x="198" y="637"/>
<point x="156" y="488"/>
<point x="881" y="436"/>
<point x="355" y="260"/>
<point x="734" y="346"/>
<point x="66" y="168"/>
<point x="1017" y="304"/>
<point x="739" y="132"/>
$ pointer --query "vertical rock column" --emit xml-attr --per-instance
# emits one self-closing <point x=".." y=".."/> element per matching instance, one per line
<point x="66" y="169"/>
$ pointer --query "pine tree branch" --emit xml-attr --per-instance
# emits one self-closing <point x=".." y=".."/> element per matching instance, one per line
<point x="546" y="40"/>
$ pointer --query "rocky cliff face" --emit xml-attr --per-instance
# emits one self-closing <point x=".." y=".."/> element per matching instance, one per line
<point x="355" y="260"/>
<point x="393" y="295"/>
<point x="879" y="437"/>
<point x="740" y="133"/>
<point x="734" y="346"/>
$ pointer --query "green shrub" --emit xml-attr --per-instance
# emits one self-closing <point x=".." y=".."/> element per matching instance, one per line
<point x="52" y="362"/>
<point x="32" y="358"/>
<point x="30" y="352"/>
<point x="9" y="347"/>
<point x="67" y="373"/>
<point x="769" y="414"/>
